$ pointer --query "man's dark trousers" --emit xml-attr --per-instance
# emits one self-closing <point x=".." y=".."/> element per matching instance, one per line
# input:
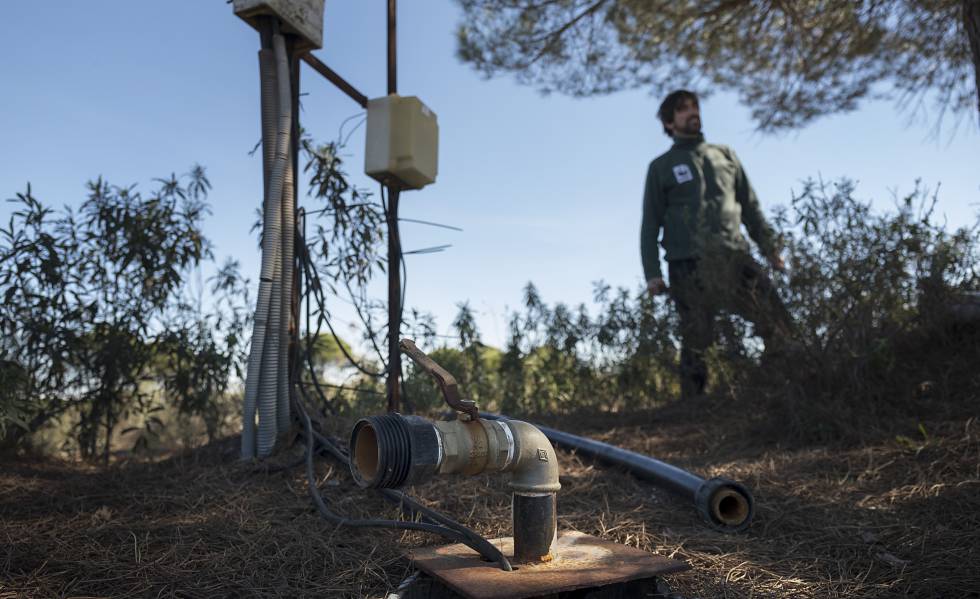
<point x="736" y="283"/>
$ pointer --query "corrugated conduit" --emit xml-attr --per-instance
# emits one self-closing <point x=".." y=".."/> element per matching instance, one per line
<point x="262" y="382"/>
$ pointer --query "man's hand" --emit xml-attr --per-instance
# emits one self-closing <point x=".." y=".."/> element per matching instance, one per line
<point x="777" y="262"/>
<point x="656" y="286"/>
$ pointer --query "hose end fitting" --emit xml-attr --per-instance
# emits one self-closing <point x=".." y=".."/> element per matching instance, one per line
<point x="724" y="504"/>
<point x="392" y="451"/>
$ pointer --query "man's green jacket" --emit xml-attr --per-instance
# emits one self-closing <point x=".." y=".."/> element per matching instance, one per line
<point x="699" y="195"/>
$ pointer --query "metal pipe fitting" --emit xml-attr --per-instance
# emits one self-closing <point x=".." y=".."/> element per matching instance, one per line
<point x="393" y="451"/>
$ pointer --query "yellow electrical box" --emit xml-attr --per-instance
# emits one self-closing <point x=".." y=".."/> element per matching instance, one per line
<point x="402" y="142"/>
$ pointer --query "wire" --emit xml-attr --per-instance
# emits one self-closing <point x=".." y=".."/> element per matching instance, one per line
<point x="404" y="586"/>
<point x="365" y="317"/>
<point x="429" y="250"/>
<point x="430" y="223"/>
<point x="445" y="527"/>
<point x="351" y="132"/>
<point x="317" y="292"/>
<point x="437" y="523"/>
<point x="407" y="504"/>
<point x="347" y="207"/>
<point x="401" y="255"/>
<point x="341" y="387"/>
<point x="393" y="220"/>
<point x="343" y="123"/>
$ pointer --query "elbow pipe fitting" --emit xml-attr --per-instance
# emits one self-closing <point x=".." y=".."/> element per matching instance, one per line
<point x="393" y="450"/>
<point x="535" y="467"/>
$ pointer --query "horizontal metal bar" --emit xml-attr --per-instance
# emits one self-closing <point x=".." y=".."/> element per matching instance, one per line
<point x="336" y="79"/>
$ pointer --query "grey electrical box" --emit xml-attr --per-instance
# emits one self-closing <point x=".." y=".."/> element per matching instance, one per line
<point x="302" y="18"/>
<point x="402" y="142"/>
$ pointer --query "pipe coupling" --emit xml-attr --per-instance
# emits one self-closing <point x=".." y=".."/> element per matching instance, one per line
<point x="393" y="450"/>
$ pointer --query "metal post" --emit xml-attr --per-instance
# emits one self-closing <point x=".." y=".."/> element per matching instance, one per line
<point x="394" y="246"/>
<point x="392" y="62"/>
<point x="394" y="301"/>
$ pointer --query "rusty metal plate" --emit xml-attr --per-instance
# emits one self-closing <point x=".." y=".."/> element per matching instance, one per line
<point x="583" y="561"/>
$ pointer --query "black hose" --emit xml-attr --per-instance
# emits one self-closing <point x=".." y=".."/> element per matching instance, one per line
<point x="723" y="504"/>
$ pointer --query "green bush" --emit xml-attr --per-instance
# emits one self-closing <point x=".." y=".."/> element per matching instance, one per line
<point x="98" y="320"/>
<point x="874" y="297"/>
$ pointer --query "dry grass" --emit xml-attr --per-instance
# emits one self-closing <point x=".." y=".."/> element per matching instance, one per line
<point x="889" y="518"/>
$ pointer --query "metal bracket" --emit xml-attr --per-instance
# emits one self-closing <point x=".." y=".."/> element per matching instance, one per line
<point x="447" y="382"/>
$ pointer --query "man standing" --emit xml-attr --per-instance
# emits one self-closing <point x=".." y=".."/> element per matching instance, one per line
<point x="699" y="195"/>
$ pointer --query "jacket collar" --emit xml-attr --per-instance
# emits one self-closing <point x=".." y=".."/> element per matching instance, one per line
<point x="689" y="143"/>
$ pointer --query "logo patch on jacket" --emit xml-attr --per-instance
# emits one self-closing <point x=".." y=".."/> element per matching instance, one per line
<point x="682" y="173"/>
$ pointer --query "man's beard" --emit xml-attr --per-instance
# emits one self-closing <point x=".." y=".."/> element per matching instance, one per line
<point x="692" y="126"/>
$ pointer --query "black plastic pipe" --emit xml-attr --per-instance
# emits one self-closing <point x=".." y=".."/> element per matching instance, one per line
<point x="723" y="504"/>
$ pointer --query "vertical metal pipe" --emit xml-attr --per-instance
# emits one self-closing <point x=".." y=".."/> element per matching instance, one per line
<point x="394" y="244"/>
<point x="394" y="301"/>
<point x="392" y="54"/>
<point x="535" y="523"/>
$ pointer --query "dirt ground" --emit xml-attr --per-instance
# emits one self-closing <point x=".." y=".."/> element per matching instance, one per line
<point x="889" y="517"/>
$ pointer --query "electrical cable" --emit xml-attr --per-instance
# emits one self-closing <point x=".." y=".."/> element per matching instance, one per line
<point x="317" y="286"/>
<point x="366" y="320"/>
<point x="343" y="123"/>
<point x="429" y="250"/>
<point x="352" y="131"/>
<point x="406" y="400"/>
<point x="404" y="586"/>
<point x="407" y="504"/>
<point x="342" y="388"/>
<point x="401" y="257"/>
<point x="480" y="545"/>
<point x="430" y="223"/>
<point x="403" y="282"/>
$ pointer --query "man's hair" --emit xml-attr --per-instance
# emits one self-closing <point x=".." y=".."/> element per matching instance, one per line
<point x="670" y="104"/>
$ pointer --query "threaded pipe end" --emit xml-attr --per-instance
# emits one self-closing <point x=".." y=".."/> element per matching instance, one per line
<point x="381" y="452"/>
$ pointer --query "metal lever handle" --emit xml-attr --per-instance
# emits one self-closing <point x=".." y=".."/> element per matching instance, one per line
<point x="447" y="382"/>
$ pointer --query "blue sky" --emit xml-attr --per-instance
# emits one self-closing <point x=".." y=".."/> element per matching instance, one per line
<point x="547" y="188"/>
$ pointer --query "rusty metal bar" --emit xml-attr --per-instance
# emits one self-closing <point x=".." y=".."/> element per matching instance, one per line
<point x="445" y="380"/>
<point x="336" y="79"/>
